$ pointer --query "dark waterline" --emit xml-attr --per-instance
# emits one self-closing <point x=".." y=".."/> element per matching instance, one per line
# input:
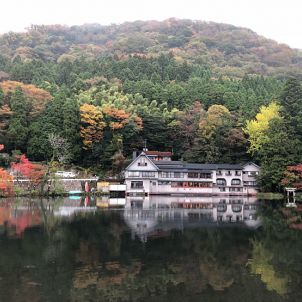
<point x="158" y="249"/>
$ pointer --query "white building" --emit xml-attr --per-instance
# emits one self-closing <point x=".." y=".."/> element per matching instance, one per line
<point x="145" y="176"/>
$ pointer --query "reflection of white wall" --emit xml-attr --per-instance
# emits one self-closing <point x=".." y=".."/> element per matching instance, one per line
<point x="69" y="211"/>
<point x="117" y="201"/>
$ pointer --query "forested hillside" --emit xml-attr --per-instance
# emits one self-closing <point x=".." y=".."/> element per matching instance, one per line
<point x="209" y="92"/>
<point x="227" y="49"/>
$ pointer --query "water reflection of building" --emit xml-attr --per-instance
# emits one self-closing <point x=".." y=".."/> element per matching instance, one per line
<point x="108" y="201"/>
<point x="76" y="204"/>
<point x="155" y="215"/>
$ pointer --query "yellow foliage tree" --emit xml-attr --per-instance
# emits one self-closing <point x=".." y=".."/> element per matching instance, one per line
<point x="257" y="128"/>
<point x="216" y="116"/>
<point x="92" y="125"/>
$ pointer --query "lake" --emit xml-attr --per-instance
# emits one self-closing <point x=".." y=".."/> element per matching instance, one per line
<point x="150" y="249"/>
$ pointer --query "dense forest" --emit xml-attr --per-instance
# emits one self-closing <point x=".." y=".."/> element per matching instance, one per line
<point x="90" y="95"/>
<point x="229" y="50"/>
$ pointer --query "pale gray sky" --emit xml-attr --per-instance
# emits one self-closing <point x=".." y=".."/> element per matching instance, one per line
<point x="280" y="20"/>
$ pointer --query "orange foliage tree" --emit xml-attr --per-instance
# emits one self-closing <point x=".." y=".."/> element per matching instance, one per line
<point x="37" y="96"/>
<point x="118" y="117"/>
<point x="6" y="183"/>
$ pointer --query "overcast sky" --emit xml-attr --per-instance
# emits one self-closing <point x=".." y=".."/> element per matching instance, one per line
<point x="280" y="20"/>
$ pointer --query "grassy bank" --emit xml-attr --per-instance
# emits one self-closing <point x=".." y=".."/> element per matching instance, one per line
<point x="33" y="193"/>
<point x="270" y="195"/>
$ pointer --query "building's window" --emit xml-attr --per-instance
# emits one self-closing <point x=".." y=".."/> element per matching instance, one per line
<point x="191" y="184"/>
<point x="164" y="183"/>
<point x="133" y="174"/>
<point x="229" y="218"/>
<point x="250" y="183"/>
<point x="205" y="184"/>
<point x="148" y="174"/>
<point x="235" y="189"/>
<point x="221" y="182"/>
<point x="178" y="184"/>
<point x="166" y="174"/>
<point x="154" y="183"/>
<point x="218" y="173"/>
<point x="142" y="162"/>
<point x="235" y="201"/>
<point x="235" y="181"/>
<point x="228" y="173"/>
<point x="238" y="218"/>
<point x="137" y="185"/>
<point x="237" y="173"/>
<point x="205" y="175"/>
<point x="222" y="189"/>
<point x="137" y="204"/>
<point x="252" y="173"/>
<point x="171" y="174"/>
<point x="192" y="175"/>
<point x="236" y="208"/>
<point x="178" y="175"/>
<point x="199" y="184"/>
<point x="221" y="208"/>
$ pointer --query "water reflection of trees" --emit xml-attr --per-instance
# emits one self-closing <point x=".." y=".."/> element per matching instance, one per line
<point x="277" y="254"/>
<point x="93" y="257"/>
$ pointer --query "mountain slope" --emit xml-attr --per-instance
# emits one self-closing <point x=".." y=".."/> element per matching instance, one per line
<point x="228" y="49"/>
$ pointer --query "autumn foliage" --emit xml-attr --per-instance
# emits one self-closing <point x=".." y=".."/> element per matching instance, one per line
<point x="92" y="125"/>
<point x="33" y="172"/>
<point x="119" y="118"/>
<point x="293" y="176"/>
<point x="38" y="97"/>
<point x="6" y="183"/>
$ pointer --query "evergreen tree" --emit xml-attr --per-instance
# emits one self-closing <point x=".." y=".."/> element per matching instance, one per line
<point x="71" y="129"/>
<point x="281" y="149"/>
<point x="291" y="101"/>
<point x="50" y="121"/>
<point x="18" y="127"/>
<point x="1" y="97"/>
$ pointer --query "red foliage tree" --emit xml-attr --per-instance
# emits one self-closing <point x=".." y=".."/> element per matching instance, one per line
<point x="293" y="176"/>
<point x="33" y="172"/>
<point x="22" y="165"/>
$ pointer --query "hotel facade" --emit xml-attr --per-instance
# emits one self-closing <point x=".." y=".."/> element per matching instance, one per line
<point x="149" y="175"/>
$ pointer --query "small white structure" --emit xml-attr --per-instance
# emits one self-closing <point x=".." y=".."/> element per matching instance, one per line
<point x="145" y="176"/>
<point x="291" y="197"/>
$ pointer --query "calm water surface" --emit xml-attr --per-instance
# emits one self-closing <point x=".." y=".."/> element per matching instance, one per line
<point x="152" y="249"/>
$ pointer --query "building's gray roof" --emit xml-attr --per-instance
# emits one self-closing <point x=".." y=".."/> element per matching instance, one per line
<point x="229" y="167"/>
<point x="181" y="165"/>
